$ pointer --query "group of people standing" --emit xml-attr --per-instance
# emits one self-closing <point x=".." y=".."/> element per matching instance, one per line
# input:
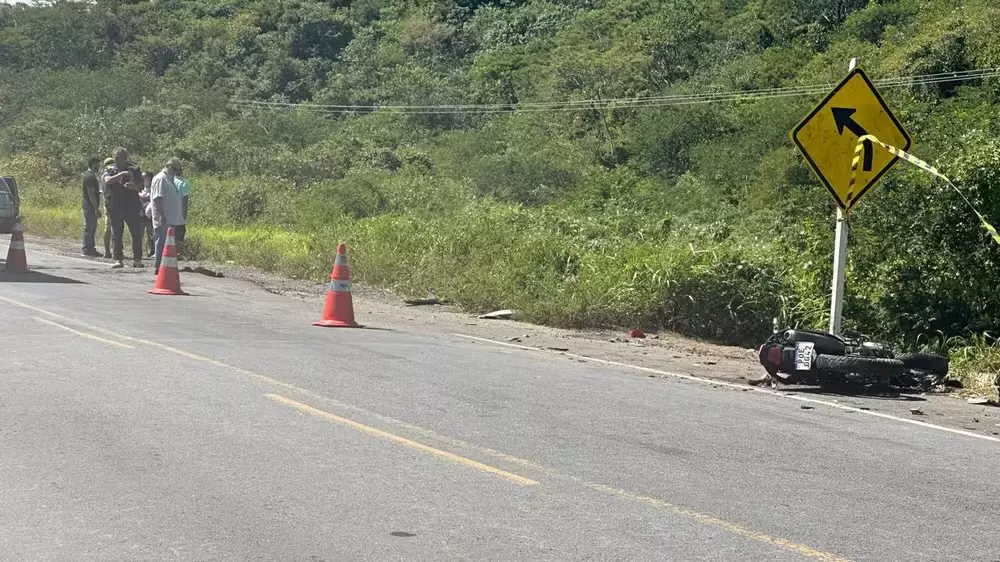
<point x="145" y="203"/>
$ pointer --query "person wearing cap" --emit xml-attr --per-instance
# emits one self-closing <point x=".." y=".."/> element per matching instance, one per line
<point x="107" y="206"/>
<point x="124" y="181"/>
<point x="167" y="207"/>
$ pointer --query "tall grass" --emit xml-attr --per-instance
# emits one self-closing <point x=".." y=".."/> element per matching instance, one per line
<point x="976" y="362"/>
<point x="554" y="268"/>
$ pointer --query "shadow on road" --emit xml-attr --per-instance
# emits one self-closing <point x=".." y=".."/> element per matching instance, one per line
<point x="33" y="276"/>
<point x="368" y="328"/>
<point x="870" y="393"/>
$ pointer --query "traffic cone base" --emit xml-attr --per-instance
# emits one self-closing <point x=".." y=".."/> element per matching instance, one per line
<point x="17" y="261"/>
<point x="335" y="324"/>
<point x="339" y="309"/>
<point x="168" y="278"/>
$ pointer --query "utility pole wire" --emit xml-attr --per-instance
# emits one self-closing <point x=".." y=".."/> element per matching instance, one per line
<point x="613" y="103"/>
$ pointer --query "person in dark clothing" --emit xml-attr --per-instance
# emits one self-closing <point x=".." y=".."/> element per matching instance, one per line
<point x="124" y="181"/>
<point x="91" y="206"/>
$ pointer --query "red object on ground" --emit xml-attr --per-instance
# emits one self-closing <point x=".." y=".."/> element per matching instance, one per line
<point x="339" y="309"/>
<point x="636" y="334"/>
<point x="168" y="278"/>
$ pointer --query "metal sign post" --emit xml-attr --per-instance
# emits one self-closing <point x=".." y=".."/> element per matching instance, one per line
<point x="839" y="260"/>
<point x="837" y="142"/>
<point x="839" y="265"/>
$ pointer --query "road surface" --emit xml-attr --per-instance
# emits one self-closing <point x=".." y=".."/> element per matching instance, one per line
<point x="223" y="426"/>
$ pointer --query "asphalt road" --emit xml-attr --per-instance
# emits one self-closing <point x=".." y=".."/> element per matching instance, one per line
<point x="223" y="426"/>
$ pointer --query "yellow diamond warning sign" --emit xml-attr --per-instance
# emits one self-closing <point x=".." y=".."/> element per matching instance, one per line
<point x="829" y="135"/>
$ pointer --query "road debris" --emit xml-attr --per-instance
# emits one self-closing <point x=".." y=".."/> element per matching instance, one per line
<point x="916" y="411"/>
<point x="430" y="300"/>
<point x="557" y="348"/>
<point x="981" y="401"/>
<point x="498" y="315"/>
<point x="637" y="334"/>
<point x="421" y="302"/>
<point x="807" y="407"/>
<point x="202" y="270"/>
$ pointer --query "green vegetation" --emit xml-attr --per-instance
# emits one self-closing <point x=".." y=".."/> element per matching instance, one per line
<point x="699" y="218"/>
<point x="977" y="363"/>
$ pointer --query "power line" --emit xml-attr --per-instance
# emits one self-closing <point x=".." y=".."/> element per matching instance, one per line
<point x="807" y="89"/>
<point x="623" y="103"/>
<point x="657" y="101"/>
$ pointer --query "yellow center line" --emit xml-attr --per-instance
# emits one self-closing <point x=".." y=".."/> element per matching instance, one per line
<point x="733" y="528"/>
<point x="84" y="334"/>
<point x="402" y="440"/>
<point x="708" y="520"/>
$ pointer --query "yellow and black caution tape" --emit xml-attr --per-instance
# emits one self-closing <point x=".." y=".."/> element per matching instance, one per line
<point x="906" y="156"/>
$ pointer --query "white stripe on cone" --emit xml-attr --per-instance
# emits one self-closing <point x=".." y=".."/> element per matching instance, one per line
<point x="338" y="286"/>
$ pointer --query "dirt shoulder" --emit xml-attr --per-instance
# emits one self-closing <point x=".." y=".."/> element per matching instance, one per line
<point x="665" y="352"/>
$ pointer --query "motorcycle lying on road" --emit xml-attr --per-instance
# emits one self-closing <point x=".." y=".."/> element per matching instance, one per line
<point x="802" y="357"/>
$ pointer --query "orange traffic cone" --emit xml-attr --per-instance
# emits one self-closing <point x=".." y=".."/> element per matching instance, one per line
<point x="17" y="261"/>
<point x="339" y="310"/>
<point x="168" y="278"/>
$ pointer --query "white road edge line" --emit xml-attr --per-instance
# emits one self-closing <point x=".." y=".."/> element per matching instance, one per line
<point x="5" y="248"/>
<point x="738" y="387"/>
<point x="99" y="265"/>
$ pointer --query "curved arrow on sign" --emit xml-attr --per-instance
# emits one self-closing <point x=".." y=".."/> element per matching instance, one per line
<point x="844" y="118"/>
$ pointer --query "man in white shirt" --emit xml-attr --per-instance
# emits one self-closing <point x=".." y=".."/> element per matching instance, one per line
<point x="167" y="206"/>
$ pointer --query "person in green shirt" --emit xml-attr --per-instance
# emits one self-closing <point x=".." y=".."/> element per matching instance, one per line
<point x="183" y="189"/>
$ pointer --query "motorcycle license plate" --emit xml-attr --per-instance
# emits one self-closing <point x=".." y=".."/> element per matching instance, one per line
<point x="804" y="353"/>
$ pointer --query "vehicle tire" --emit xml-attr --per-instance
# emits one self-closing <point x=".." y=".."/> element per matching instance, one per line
<point x="862" y="366"/>
<point x="930" y="362"/>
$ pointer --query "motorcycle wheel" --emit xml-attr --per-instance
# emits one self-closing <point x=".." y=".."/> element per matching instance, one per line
<point x="936" y="364"/>
<point x="862" y="366"/>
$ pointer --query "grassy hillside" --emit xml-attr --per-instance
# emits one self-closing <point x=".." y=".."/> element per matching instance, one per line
<point x="389" y="125"/>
